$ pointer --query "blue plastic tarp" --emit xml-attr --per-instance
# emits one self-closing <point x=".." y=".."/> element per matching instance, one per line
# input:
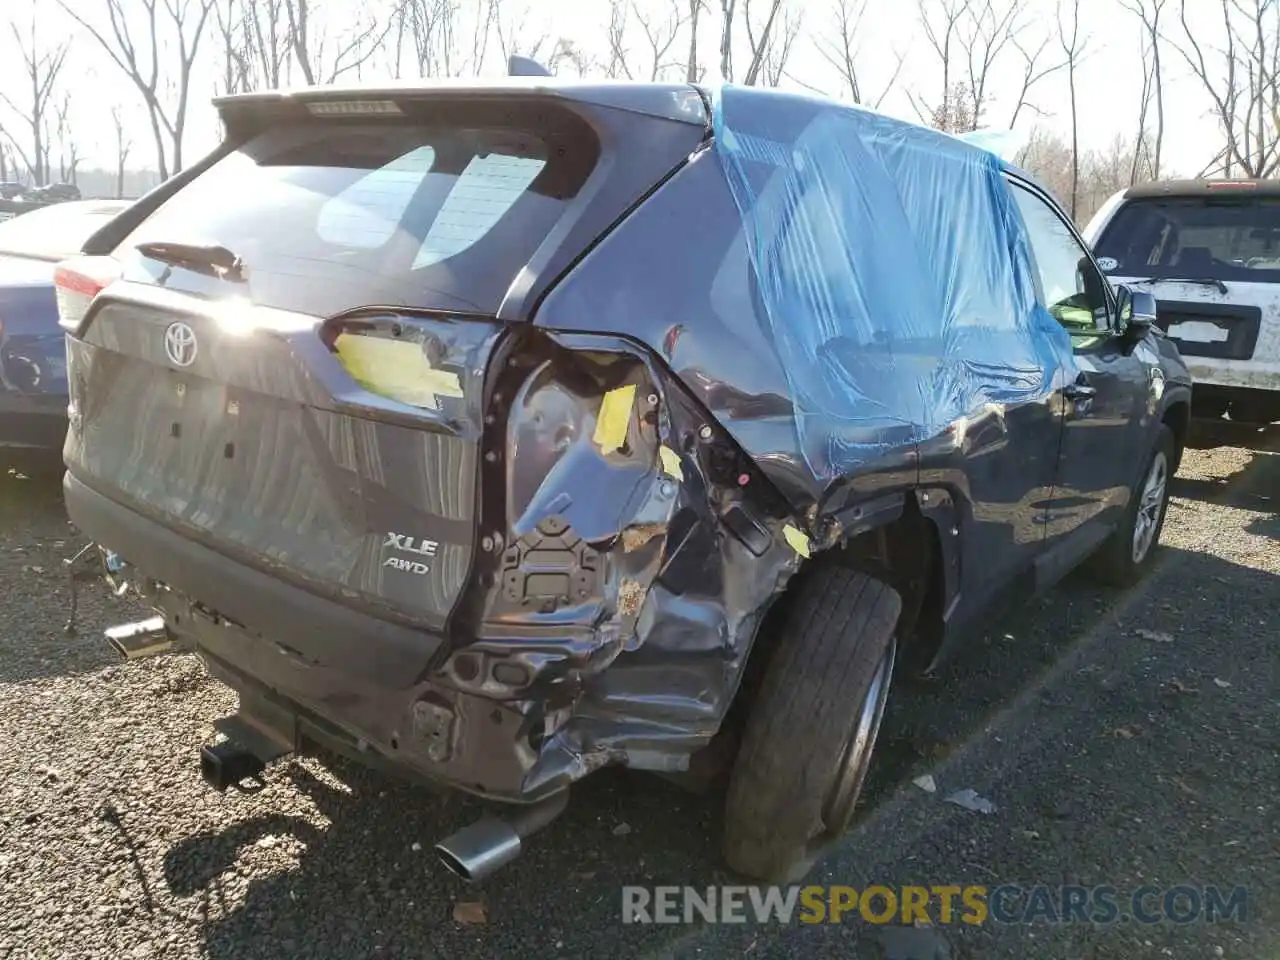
<point x="893" y="268"/>
<point x="1005" y="144"/>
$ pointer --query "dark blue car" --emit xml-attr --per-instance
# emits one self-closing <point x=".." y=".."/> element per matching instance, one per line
<point x="501" y="433"/>
<point x="33" y="381"/>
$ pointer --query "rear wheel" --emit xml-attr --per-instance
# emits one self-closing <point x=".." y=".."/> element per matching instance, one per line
<point x="809" y="737"/>
<point x="1130" y="551"/>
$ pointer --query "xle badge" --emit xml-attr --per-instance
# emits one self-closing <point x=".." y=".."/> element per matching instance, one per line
<point x="419" y="546"/>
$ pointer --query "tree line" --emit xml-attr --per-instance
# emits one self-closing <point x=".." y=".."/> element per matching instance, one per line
<point x="989" y="60"/>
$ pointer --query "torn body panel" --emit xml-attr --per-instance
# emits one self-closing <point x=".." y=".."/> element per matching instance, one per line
<point x="642" y="549"/>
<point x="627" y="551"/>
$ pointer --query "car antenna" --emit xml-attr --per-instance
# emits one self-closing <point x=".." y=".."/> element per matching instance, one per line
<point x="518" y="66"/>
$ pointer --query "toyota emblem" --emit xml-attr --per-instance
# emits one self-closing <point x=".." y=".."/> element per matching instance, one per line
<point x="180" y="344"/>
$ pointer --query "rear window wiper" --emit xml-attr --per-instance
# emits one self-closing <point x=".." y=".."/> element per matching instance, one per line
<point x="211" y="256"/>
<point x="1201" y="281"/>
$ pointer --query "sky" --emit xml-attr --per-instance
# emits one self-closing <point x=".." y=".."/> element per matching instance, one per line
<point x="1109" y="77"/>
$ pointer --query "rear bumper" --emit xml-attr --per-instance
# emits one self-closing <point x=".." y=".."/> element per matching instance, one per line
<point x="32" y="421"/>
<point x="348" y="680"/>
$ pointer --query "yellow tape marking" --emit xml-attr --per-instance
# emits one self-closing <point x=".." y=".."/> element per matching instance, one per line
<point x="614" y="418"/>
<point x="397" y="369"/>
<point x="671" y="463"/>
<point x="798" y="541"/>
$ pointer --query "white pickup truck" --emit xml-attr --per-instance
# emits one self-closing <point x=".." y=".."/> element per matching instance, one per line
<point x="1210" y="252"/>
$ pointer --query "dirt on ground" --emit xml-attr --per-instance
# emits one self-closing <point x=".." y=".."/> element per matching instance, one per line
<point x="1123" y="737"/>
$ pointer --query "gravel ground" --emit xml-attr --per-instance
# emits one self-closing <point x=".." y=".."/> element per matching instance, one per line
<point x="1112" y="758"/>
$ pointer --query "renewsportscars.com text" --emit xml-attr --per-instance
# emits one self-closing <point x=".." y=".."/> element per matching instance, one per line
<point x="938" y="904"/>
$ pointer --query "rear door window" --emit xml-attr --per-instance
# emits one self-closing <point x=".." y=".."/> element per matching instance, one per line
<point x="1217" y="238"/>
<point x="332" y="215"/>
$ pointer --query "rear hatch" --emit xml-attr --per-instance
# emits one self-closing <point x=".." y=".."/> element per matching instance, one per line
<point x="1212" y="260"/>
<point x="290" y="368"/>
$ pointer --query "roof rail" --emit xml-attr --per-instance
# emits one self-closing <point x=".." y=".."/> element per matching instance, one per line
<point x="518" y="66"/>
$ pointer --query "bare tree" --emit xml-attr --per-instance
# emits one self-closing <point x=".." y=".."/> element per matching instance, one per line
<point x="444" y="44"/>
<point x="483" y="25"/>
<point x="1239" y="69"/>
<point x="270" y="45"/>
<point x="728" y="13"/>
<point x="1073" y="49"/>
<point x="298" y="18"/>
<point x="778" y="51"/>
<point x="40" y="68"/>
<point x="138" y="36"/>
<point x="970" y="38"/>
<point x="68" y="150"/>
<point x="1140" y="162"/>
<point x="233" y="24"/>
<point x="660" y="35"/>
<point x="1101" y="172"/>
<point x="325" y="58"/>
<point x="1049" y="157"/>
<point x="940" y="20"/>
<point x="954" y="113"/>
<point x="1035" y="67"/>
<point x="124" y="143"/>
<point x="1149" y="13"/>
<point x="566" y="55"/>
<point x="619" y="14"/>
<point x="839" y="46"/>
<point x="514" y="37"/>
<point x="770" y="42"/>
<point x="1221" y="160"/>
<point x="987" y="32"/>
<point x="693" y="67"/>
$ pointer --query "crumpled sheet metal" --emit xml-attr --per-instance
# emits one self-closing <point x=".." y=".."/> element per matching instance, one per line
<point x="894" y="271"/>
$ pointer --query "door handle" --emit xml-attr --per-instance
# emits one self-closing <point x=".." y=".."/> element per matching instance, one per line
<point x="1079" y="391"/>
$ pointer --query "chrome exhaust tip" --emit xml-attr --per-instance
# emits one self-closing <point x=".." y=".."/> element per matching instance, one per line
<point x="482" y="848"/>
<point x="479" y="849"/>
<point x="143" y="638"/>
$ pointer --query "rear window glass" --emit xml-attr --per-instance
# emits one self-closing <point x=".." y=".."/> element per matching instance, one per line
<point x="329" y="216"/>
<point x="1190" y="237"/>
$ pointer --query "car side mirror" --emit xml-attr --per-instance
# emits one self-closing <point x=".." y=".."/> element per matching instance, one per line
<point x="1136" y="310"/>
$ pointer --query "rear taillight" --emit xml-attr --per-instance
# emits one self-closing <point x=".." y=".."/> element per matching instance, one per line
<point x="412" y="360"/>
<point x="400" y="370"/>
<point x="77" y="282"/>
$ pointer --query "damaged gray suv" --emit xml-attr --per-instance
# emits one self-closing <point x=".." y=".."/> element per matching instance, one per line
<point x="501" y="433"/>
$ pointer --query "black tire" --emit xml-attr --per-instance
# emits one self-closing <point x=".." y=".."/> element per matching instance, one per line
<point x="1116" y="561"/>
<point x="832" y="647"/>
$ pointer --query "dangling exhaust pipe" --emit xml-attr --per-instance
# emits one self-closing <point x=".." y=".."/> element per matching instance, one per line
<point x="144" y="638"/>
<point x="482" y="848"/>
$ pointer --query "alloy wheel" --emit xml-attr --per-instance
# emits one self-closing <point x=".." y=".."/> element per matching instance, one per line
<point x="1150" y="507"/>
<point x="838" y="810"/>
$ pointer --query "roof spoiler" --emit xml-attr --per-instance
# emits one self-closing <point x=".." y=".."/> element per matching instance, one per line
<point x="518" y="66"/>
